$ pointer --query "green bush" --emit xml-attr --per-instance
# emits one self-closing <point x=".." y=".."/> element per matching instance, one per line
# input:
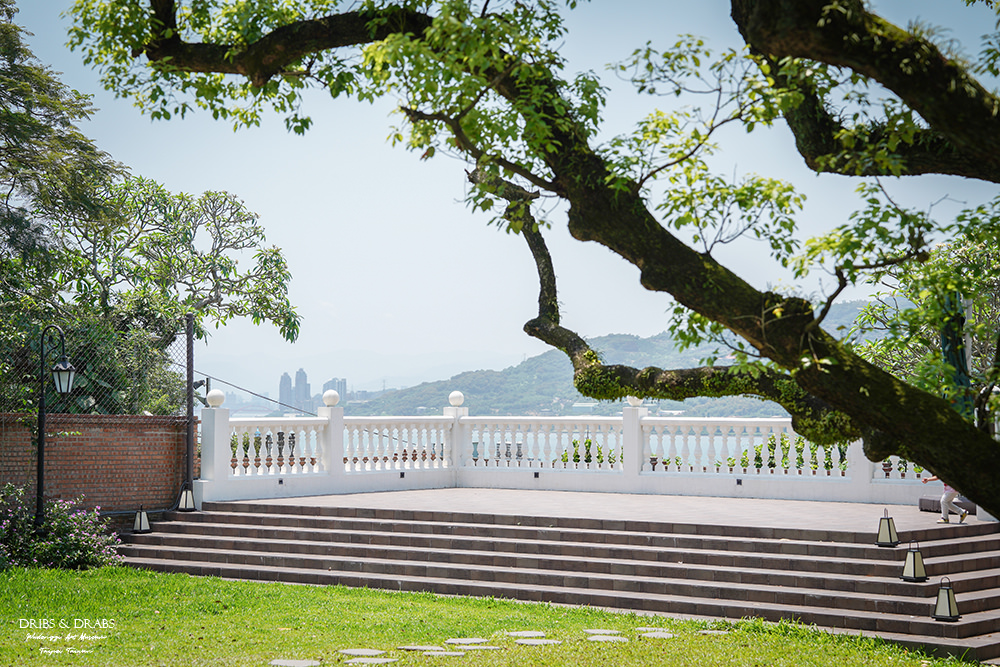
<point x="71" y="537"/>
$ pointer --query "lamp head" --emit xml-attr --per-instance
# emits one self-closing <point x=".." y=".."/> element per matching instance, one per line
<point x="63" y="374"/>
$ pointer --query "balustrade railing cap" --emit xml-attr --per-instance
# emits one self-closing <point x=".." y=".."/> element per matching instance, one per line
<point x="215" y="398"/>
<point x="456" y="398"/>
<point x="330" y="398"/>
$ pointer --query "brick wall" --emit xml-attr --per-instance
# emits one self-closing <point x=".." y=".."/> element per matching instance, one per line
<point x="117" y="462"/>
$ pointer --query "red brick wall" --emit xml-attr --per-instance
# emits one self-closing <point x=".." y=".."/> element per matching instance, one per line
<point x="117" y="462"/>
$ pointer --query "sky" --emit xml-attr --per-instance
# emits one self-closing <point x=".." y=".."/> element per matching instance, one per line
<point x="397" y="282"/>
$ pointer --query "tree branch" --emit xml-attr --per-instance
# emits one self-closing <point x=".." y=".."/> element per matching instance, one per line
<point x="811" y="417"/>
<point x="279" y="49"/>
<point x="961" y="113"/>
<point x="476" y="153"/>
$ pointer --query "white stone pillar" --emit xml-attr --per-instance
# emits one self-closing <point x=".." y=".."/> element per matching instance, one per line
<point x="458" y="441"/>
<point x="216" y="454"/>
<point x="333" y="437"/>
<point x="861" y="473"/>
<point x="632" y="438"/>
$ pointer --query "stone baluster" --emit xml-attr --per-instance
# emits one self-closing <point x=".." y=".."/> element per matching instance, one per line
<point x="280" y="436"/>
<point x="696" y="448"/>
<point x="257" y="442"/>
<point x="293" y="441"/>
<point x="646" y="453"/>
<point x="549" y="446"/>
<point x="303" y="449"/>
<point x="315" y="438"/>
<point x="711" y="451"/>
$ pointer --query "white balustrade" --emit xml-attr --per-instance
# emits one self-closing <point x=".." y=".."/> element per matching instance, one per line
<point x="896" y="468"/>
<point x="284" y="446"/>
<point x="554" y="443"/>
<point x="375" y="444"/>
<point x="633" y="453"/>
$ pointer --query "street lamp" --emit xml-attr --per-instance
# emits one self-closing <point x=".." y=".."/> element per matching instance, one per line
<point x="62" y="375"/>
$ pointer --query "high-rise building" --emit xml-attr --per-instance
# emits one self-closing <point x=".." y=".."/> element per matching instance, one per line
<point x="285" y="396"/>
<point x="302" y="395"/>
<point x="339" y="385"/>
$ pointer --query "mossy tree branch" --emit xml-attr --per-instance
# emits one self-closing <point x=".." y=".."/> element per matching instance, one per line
<point x="963" y="133"/>
<point x="811" y="417"/>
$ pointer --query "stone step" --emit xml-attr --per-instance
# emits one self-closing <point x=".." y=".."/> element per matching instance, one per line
<point x="800" y="573"/>
<point x="864" y="535"/>
<point x="939" y="548"/>
<point x="918" y="626"/>
<point x="618" y="575"/>
<point x="484" y="549"/>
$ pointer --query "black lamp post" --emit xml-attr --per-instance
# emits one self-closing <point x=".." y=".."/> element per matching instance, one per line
<point x="62" y="375"/>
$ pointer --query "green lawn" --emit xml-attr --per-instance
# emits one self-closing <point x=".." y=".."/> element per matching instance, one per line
<point x="156" y="619"/>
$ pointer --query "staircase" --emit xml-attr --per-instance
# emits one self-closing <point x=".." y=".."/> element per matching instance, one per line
<point x="834" y="579"/>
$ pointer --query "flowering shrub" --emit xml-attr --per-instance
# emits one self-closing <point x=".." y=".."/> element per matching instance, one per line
<point x="71" y="537"/>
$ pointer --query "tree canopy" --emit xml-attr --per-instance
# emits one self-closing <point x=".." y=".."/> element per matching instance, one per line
<point x="155" y="253"/>
<point x="116" y="260"/>
<point x="484" y="80"/>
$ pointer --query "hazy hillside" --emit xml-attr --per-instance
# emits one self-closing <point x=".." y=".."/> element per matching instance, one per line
<point x="544" y="384"/>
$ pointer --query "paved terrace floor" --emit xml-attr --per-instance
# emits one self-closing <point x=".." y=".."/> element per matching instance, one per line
<point x="793" y="514"/>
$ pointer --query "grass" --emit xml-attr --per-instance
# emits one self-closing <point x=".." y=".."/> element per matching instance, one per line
<point x="161" y="619"/>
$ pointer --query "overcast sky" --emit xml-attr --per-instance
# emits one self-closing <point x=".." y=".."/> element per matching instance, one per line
<point x="396" y="281"/>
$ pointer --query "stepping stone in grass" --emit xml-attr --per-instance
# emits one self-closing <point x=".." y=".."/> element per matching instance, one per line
<point x="466" y="640"/>
<point x="657" y="635"/>
<point x="294" y="663"/>
<point x="370" y="661"/>
<point x="361" y="652"/>
<point x="417" y="647"/>
<point x="601" y="632"/>
<point x="537" y="642"/>
<point x="606" y="638"/>
<point x="525" y="633"/>
<point x="480" y="647"/>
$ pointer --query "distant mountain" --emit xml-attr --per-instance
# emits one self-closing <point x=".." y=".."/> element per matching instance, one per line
<point x="543" y="385"/>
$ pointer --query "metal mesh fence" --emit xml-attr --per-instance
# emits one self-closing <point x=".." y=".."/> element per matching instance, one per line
<point x="119" y="370"/>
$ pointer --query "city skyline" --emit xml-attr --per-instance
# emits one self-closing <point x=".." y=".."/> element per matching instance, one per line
<point x="298" y="394"/>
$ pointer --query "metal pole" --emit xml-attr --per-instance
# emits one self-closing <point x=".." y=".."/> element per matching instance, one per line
<point x="189" y="472"/>
<point x="40" y="478"/>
